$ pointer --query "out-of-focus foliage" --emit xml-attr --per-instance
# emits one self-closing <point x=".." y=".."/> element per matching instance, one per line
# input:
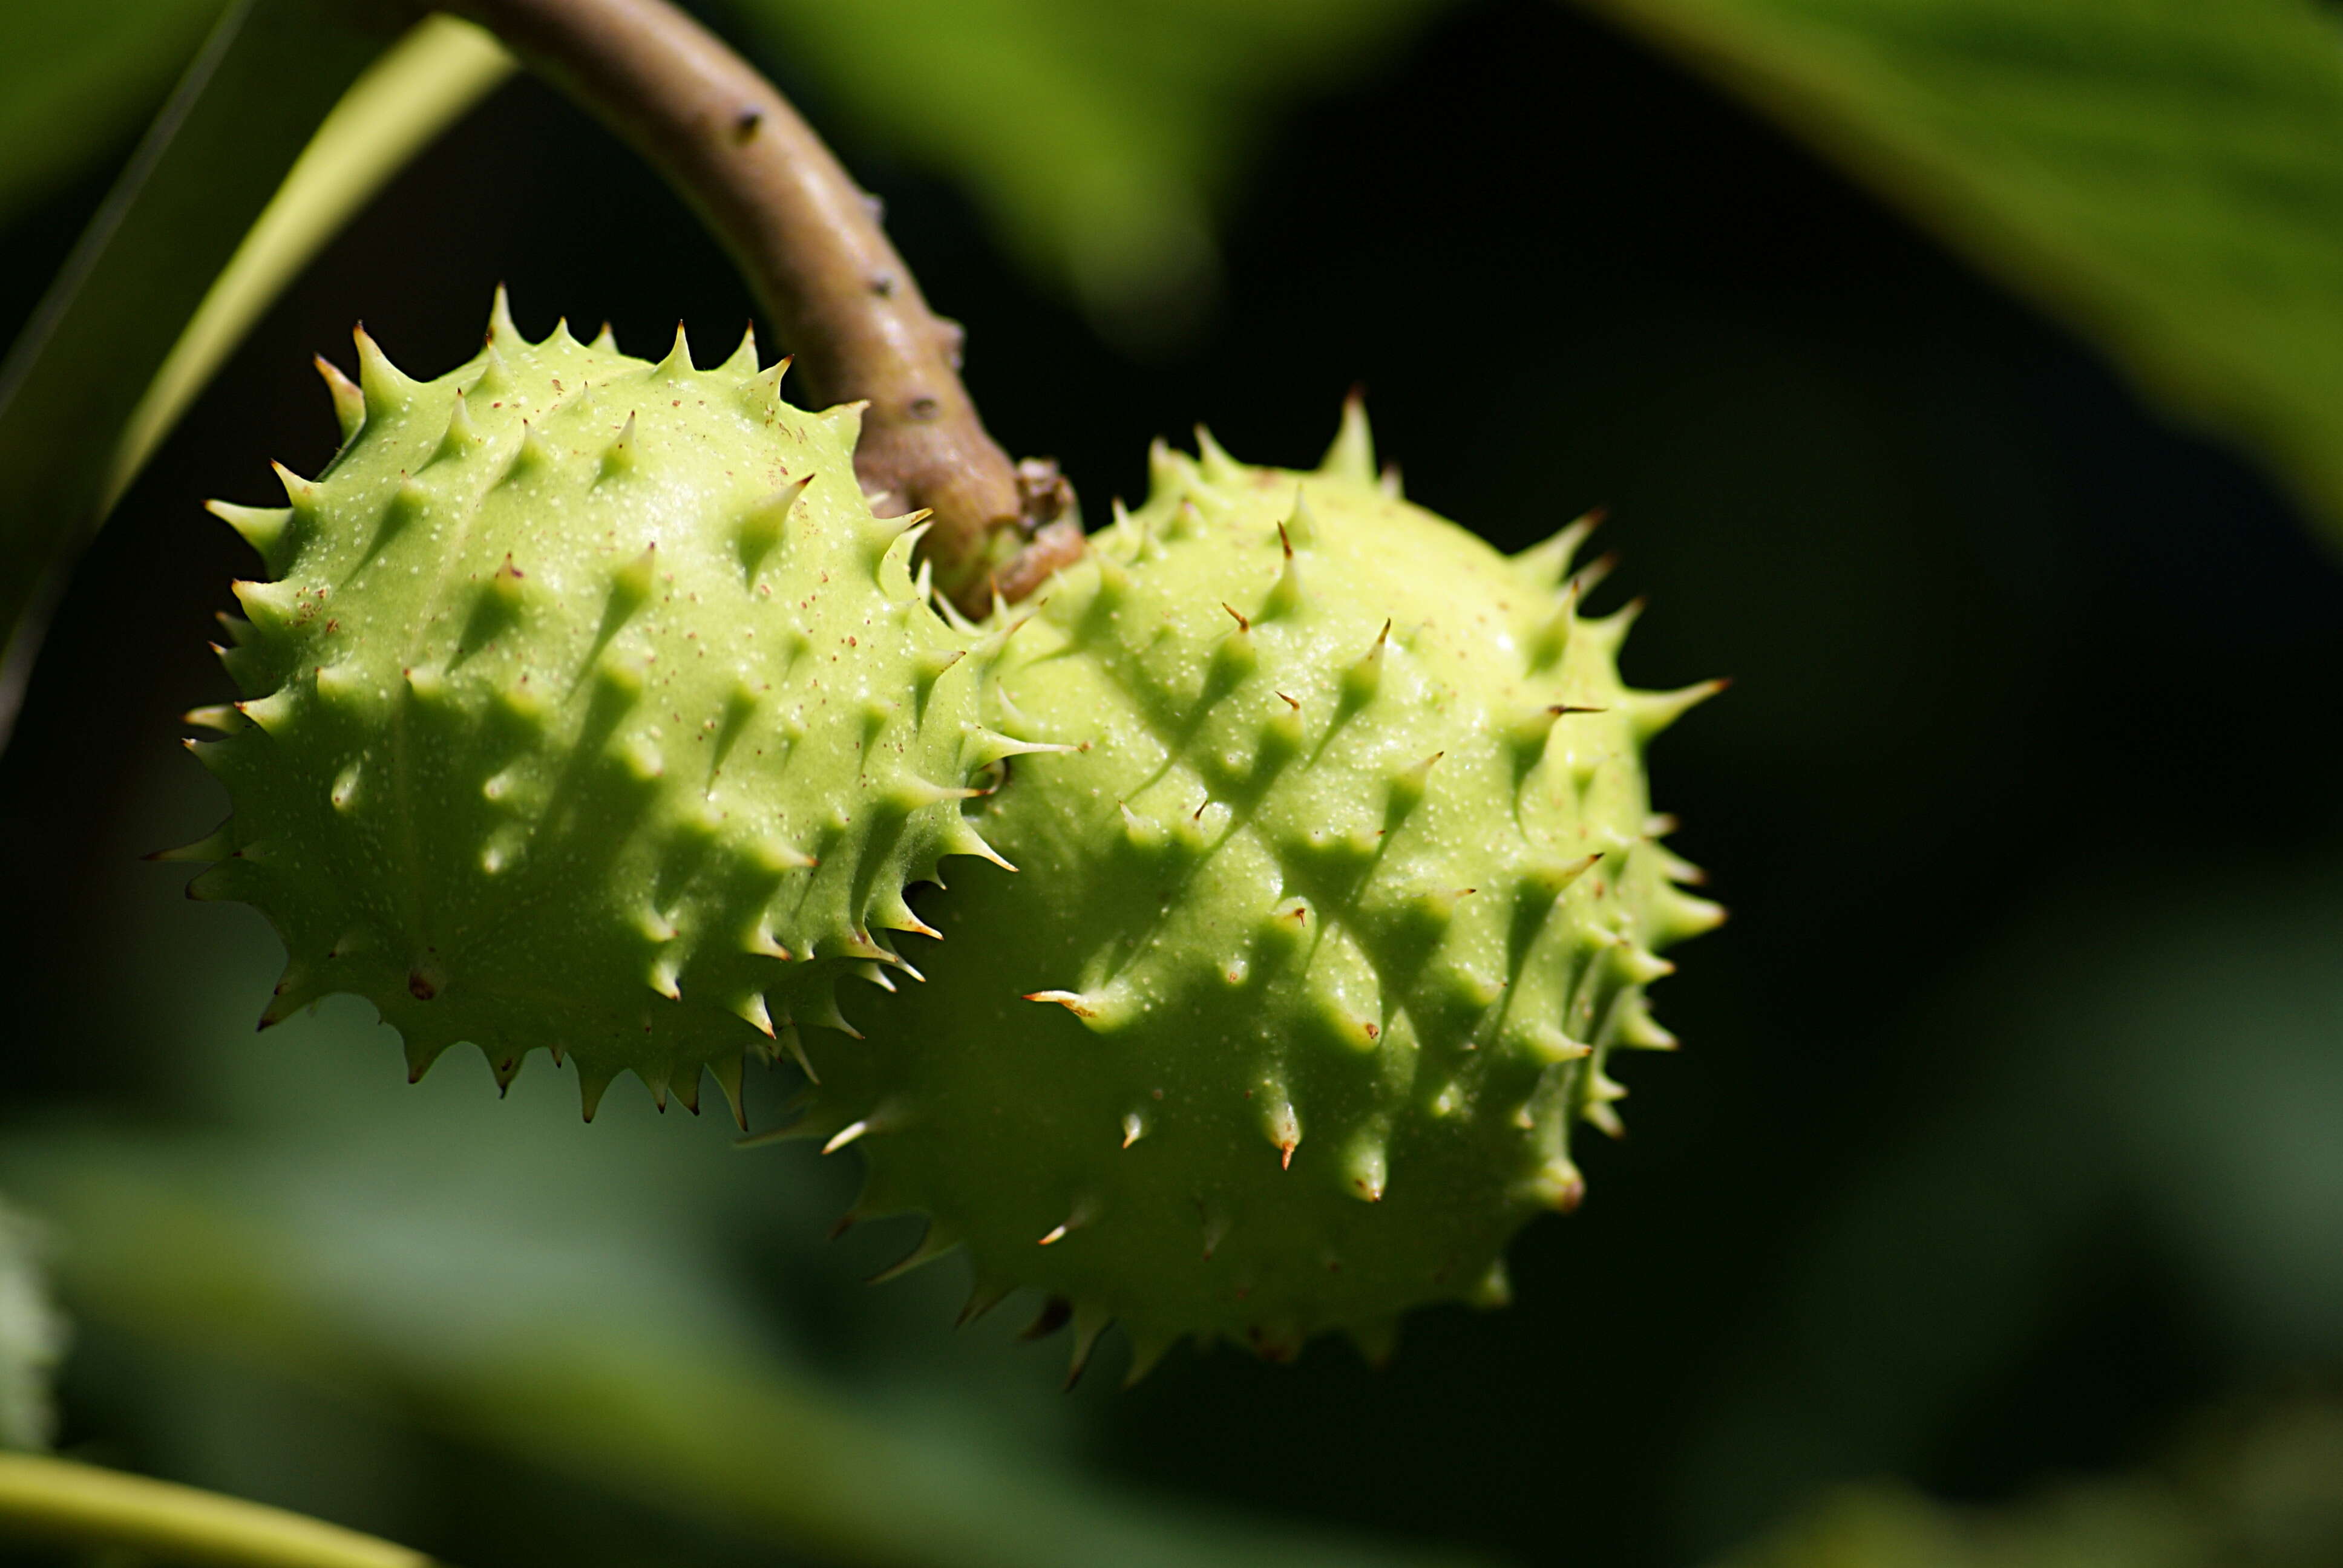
<point x="2166" y="175"/>
<point x="70" y="440"/>
<point x="2169" y="1064"/>
<point x="574" y="1299"/>
<point x="248" y="105"/>
<point x="2267" y="1493"/>
<point x="1099" y="137"/>
<point x="2165" y="172"/>
<point x="77" y="79"/>
<point x="1123" y="122"/>
<point x="32" y="1335"/>
<point x="414" y="92"/>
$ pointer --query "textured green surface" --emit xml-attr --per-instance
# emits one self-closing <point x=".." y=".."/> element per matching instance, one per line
<point x="2166" y="175"/>
<point x="590" y="709"/>
<point x="1325" y="924"/>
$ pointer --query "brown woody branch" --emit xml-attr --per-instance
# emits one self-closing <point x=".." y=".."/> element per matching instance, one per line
<point x="808" y="239"/>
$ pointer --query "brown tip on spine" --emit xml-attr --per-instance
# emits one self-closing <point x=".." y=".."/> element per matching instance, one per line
<point x="1073" y="1002"/>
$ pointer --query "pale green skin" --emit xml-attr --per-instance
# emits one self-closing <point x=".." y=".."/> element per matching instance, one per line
<point x="552" y="715"/>
<point x="1322" y="1018"/>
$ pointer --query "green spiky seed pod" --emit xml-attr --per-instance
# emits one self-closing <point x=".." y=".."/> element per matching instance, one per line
<point x="1327" y="923"/>
<point x="588" y="708"/>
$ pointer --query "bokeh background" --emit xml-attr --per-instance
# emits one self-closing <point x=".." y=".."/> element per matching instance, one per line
<point x="2002" y="1171"/>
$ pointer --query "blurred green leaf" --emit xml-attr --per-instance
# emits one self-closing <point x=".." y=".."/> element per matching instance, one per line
<point x="2161" y="1052"/>
<point x="2263" y="1491"/>
<point x="1889" y="1526"/>
<point x="209" y="163"/>
<point x="75" y="79"/>
<point x="405" y="99"/>
<point x="2165" y="174"/>
<point x="1100" y="136"/>
<point x="32" y="1335"/>
<point x="101" y="371"/>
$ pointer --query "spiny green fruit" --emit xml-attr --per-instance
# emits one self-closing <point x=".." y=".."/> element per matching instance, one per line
<point x="1328" y="916"/>
<point x="590" y="707"/>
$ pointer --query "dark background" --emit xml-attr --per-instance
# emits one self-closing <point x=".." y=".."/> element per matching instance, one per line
<point x="1999" y="633"/>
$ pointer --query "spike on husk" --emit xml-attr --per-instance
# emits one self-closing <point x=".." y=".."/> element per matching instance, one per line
<point x="1335" y="847"/>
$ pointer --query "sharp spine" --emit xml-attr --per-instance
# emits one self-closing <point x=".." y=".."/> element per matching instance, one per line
<point x="1089" y="1322"/>
<point x="1365" y="677"/>
<point x="620" y="456"/>
<point x="935" y="1243"/>
<point x="388" y="390"/>
<point x="1352" y="456"/>
<point x="1548" y="562"/>
<point x="1649" y="712"/>
<point x="349" y="402"/>
<point x="501" y="329"/>
<point x="765" y="525"/>
<point x="743" y="361"/>
<point x="265" y="529"/>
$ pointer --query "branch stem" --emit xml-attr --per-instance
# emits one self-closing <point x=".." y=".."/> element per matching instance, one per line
<point x="809" y="241"/>
<point x="58" y="1500"/>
